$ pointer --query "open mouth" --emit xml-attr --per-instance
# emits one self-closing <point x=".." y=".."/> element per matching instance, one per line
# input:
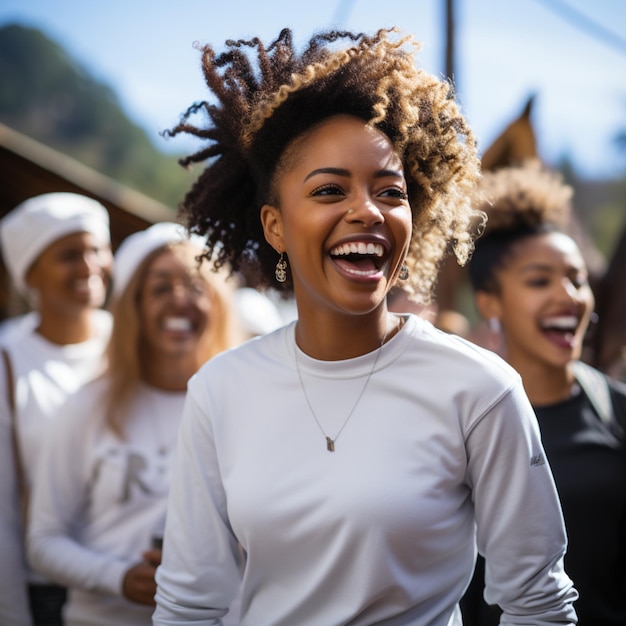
<point x="359" y="258"/>
<point x="178" y="324"/>
<point x="561" y="329"/>
<point x="88" y="285"/>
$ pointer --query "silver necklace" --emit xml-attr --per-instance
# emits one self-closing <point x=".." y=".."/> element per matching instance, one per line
<point x="330" y="442"/>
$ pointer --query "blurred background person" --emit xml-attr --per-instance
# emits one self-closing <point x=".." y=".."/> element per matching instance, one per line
<point x="57" y="250"/>
<point x="257" y="312"/>
<point x="98" y="508"/>
<point x="531" y="284"/>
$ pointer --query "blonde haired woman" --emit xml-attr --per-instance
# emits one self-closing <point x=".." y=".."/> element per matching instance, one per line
<point x="98" y="509"/>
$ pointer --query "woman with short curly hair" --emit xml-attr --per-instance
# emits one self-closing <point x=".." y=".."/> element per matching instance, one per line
<point x="337" y="470"/>
<point x="531" y="282"/>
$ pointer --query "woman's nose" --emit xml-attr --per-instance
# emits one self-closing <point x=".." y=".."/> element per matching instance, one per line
<point x="365" y="211"/>
<point x="95" y="262"/>
<point x="181" y="292"/>
<point x="569" y="290"/>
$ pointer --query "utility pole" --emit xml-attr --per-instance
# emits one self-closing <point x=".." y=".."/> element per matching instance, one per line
<point x="451" y="275"/>
<point x="449" y="8"/>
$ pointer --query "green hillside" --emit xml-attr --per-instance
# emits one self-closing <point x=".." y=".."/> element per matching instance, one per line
<point x="48" y="96"/>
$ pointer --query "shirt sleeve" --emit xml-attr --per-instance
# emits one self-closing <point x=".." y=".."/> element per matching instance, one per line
<point x="59" y="499"/>
<point x="13" y="598"/>
<point x="199" y="576"/>
<point x="520" y="528"/>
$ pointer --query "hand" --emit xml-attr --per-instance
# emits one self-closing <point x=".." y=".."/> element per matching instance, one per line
<point x="153" y="556"/>
<point x="139" y="585"/>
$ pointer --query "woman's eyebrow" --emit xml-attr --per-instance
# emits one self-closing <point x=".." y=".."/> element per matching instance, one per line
<point x="339" y="171"/>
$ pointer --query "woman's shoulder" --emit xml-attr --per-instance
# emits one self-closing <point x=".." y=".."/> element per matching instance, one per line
<point x="454" y="354"/>
<point x="82" y="412"/>
<point x="263" y="351"/>
<point x="88" y="399"/>
<point x="617" y="391"/>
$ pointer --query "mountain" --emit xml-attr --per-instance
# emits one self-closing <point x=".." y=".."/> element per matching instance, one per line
<point x="50" y="97"/>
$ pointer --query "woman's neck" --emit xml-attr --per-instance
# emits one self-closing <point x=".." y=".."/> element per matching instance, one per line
<point x="545" y="385"/>
<point x="338" y="339"/>
<point x="169" y="373"/>
<point x="64" y="330"/>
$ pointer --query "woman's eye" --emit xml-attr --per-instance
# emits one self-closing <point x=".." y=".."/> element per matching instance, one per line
<point x="580" y="281"/>
<point x="197" y="287"/>
<point x="69" y="256"/>
<point x="327" y="190"/>
<point x="538" y="282"/>
<point x="394" y="192"/>
<point x="161" y="289"/>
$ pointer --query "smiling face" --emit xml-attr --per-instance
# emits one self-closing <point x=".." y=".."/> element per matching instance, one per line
<point x="174" y="304"/>
<point x="543" y="301"/>
<point x="72" y="274"/>
<point x="343" y="219"/>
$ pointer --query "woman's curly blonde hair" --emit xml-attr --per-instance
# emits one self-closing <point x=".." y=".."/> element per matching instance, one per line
<point x="261" y="108"/>
<point x="524" y="195"/>
<point x="520" y="201"/>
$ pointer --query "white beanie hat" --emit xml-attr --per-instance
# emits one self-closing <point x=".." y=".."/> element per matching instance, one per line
<point x="136" y="247"/>
<point x="36" y="223"/>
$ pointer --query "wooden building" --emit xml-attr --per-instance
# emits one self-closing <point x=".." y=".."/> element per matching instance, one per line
<point x="29" y="168"/>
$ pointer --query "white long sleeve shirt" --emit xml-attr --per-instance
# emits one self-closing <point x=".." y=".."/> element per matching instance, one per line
<point x="44" y="375"/>
<point x="98" y="501"/>
<point x="442" y="454"/>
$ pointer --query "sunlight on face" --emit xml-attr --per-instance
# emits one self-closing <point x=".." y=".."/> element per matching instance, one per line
<point x="545" y="300"/>
<point x="344" y="217"/>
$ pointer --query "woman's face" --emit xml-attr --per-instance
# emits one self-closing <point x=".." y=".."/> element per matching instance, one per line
<point x="72" y="274"/>
<point x="174" y="304"/>
<point x="544" y="301"/>
<point x="344" y="218"/>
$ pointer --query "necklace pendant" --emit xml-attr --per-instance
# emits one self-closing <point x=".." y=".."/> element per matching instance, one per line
<point x="330" y="444"/>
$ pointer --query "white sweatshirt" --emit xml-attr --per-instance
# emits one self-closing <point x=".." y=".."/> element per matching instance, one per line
<point x="44" y="374"/>
<point x="381" y="531"/>
<point x="98" y="501"/>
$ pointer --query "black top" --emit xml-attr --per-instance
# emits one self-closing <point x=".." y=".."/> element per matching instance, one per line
<point x="588" y="461"/>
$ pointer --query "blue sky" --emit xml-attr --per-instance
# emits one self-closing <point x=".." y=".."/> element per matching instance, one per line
<point x="505" y="50"/>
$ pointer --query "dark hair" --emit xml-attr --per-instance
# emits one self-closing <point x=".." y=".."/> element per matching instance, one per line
<point x="520" y="202"/>
<point x="260" y="110"/>
<point x="493" y="250"/>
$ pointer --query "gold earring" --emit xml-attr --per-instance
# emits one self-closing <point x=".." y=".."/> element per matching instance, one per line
<point x="281" y="269"/>
<point x="404" y="272"/>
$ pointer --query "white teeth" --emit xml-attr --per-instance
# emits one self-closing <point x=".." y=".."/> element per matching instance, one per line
<point x="564" y="322"/>
<point x="373" y="249"/>
<point x="177" y="324"/>
<point x="87" y="284"/>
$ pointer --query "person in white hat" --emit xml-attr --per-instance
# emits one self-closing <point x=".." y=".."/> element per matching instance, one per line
<point x="99" y="500"/>
<point x="57" y="250"/>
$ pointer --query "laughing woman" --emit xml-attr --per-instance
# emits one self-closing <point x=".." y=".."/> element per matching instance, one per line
<point x="366" y="447"/>
<point x="98" y="510"/>
<point x="530" y="281"/>
<point x="57" y="249"/>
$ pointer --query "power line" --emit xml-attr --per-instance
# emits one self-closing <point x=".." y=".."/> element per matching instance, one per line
<point x="584" y="23"/>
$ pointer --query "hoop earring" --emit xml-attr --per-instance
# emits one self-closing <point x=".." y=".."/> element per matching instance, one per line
<point x="494" y="325"/>
<point x="281" y="269"/>
<point x="404" y="272"/>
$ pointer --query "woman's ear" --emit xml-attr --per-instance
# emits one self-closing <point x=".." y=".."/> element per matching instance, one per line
<point x="272" y="222"/>
<point x="488" y="305"/>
